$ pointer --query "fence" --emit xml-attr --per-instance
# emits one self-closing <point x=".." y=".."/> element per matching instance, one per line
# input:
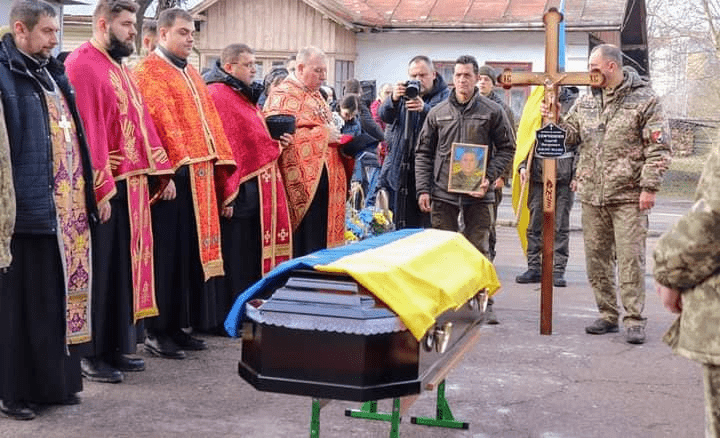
<point x="692" y="141"/>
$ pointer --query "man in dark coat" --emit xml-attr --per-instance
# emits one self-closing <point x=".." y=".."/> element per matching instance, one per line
<point x="45" y="292"/>
<point x="398" y="172"/>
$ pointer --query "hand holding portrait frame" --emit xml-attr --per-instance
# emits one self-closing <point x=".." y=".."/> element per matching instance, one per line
<point x="467" y="167"/>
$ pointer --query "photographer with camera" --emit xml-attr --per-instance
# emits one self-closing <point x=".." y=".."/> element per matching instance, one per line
<point x="404" y="112"/>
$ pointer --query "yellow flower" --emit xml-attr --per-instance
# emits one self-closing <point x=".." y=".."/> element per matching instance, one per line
<point x="380" y="218"/>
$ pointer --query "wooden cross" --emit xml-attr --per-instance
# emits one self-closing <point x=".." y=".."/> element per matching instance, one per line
<point x="551" y="79"/>
<point x="65" y="125"/>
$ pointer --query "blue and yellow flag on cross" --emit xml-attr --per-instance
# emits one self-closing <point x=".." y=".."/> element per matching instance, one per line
<point x="530" y="122"/>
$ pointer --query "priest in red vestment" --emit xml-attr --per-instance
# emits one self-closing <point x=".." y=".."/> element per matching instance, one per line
<point x="186" y="230"/>
<point x="256" y="225"/>
<point x="311" y="167"/>
<point x="125" y="150"/>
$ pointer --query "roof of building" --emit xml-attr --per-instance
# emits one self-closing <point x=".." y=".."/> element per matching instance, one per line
<point x="81" y="8"/>
<point x="462" y="14"/>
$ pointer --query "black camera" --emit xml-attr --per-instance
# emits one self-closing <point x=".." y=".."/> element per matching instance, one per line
<point x="412" y="89"/>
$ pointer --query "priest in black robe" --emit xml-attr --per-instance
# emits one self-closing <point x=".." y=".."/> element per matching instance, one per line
<point x="45" y="292"/>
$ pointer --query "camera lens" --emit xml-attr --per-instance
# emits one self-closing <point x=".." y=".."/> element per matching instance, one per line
<point x="412" y="89"/>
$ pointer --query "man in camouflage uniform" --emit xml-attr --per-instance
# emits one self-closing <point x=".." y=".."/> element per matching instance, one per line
<point x="7" y="196"/>
<point x="622" y="155"/>
<point x="467" y="177"/>
<point x="687" y="278"/>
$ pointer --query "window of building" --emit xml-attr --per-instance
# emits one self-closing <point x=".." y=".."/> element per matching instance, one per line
<point x="515" y="97"/>
<point x="210" y="61"/>
<point x="446" y="69"/>
<point x="344" y="70"/>
<point x="266" y="65"/>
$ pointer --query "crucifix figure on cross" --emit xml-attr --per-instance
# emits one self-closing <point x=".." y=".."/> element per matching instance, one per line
<point x="552" y="78"/>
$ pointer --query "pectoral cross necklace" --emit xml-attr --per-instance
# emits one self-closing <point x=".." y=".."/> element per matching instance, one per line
<point x="65" y="125"/>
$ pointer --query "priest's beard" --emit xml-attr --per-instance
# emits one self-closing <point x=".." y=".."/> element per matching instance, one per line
<point x="118" y="49"/>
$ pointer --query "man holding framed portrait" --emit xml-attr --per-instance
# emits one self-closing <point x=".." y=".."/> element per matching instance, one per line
<point x="466" y="142"/>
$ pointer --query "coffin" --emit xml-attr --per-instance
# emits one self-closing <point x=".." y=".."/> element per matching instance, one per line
<point x="326" y="335"/>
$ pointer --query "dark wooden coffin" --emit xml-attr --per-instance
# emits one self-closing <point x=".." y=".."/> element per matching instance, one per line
<point x="325" y="336"/>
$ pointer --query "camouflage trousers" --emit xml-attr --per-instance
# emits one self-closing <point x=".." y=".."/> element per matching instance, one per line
<point x="712" y="400"/>
<point x="614" y="238"/>
<point x="477" y="219"/>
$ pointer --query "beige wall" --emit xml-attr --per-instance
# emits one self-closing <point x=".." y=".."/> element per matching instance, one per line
<point x="77" y="30"/>
<point x="275" y="29"/>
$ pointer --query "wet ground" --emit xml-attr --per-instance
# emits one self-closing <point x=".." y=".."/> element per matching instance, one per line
<point x="515" y="383"/>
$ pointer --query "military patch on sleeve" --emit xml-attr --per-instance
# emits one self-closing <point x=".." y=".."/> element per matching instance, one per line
<point x="657" y="136"/>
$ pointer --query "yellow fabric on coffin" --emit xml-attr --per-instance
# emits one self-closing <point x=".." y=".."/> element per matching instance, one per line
<point x="421" y="276"/>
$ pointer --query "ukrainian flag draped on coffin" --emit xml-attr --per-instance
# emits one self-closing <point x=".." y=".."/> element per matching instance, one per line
<point x="419" y="274"/>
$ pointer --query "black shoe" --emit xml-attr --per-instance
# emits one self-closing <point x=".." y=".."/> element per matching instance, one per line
<point x="529" y="276"/>
<point x="163" y="346"/>
<point x="559" y="280"/>
<point x="187" y="342"/>
<point x="16" y="410"/>
<point x="72" y="399"/>
<point x="97" y="370"/>
<point x="124" y="362"/>
<point x="635" y="335"/>
<point x="601" y="326"/>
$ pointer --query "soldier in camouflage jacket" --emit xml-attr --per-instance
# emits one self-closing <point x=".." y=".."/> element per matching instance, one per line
<point x="619" y="131"/>
<point x="7" y="196"/>
<point x="621" y="143"/>
<point x="687" y="275"/>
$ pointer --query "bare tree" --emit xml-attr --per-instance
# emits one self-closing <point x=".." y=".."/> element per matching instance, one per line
<point x="685" y="47"/>
<point x="161" y="5"/>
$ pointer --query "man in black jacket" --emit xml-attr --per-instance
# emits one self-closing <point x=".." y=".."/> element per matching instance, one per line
<point x="45" y="292"/>
<point x="398" y="172"/>
<point x="466" y="117"/>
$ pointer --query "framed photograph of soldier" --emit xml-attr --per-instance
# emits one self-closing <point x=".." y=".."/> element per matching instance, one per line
<point x="467" y="167"/>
